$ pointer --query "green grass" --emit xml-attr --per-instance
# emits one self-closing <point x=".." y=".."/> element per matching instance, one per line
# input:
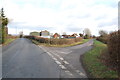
<point x="66" y="45"/>
<point x="93" y="64"/>
<point x="35" y="42"/>
<point x="8" y="41"/>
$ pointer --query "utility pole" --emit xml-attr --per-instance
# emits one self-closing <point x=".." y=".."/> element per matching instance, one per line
<point x="83" y="33"/>
<point x="22" y="29"/>
<point x="16" y="30"/>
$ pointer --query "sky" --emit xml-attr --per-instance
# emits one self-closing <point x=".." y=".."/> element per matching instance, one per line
<point x="70" y="16"/>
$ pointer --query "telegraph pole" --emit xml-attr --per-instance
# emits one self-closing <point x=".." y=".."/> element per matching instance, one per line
<point x="16" y="30"/>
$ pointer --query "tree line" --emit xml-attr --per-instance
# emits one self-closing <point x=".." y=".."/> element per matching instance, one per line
<point x="3" y="27"/>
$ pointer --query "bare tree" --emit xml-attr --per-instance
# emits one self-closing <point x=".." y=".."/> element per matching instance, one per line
<point x="21" y="34"/>
<point x="87" y="32"/>
<point x="103" y="33"/>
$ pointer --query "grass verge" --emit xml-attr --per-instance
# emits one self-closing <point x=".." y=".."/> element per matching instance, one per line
<point x="93" y="64"/>
<point x="8" y="41"/>
<point x="45" y="44"/>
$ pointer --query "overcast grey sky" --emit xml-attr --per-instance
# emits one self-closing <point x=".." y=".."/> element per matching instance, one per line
<point x="70" y="16"/>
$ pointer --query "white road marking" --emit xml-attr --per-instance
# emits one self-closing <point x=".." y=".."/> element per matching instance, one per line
<point x="77" y="71"/>
<point x="62" y="67"/>
<point x="57" y="55"/>
<point x="82" y="74"/>
<point x="51" y="55"/>
<point x="63" y="52"/>
<point x="61" y="58"/>
<point x="48" y="53"/>
<point x="65" y="62"/>
<point x="71" y="74"/>
<point x="58" y="62"/>
<point x="55" y="59"/>
<point x="68" y="72"/>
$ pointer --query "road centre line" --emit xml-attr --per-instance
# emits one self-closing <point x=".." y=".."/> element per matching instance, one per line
<point x="61" y="58"/>
<point x="65" y="62"/>
<point x="77" y="71"/>
<point x="62" y="67"/>
<point x="55" y="59"/>
<point x="60" y="64"/>
<point x="81" y="74"/>
<point x="68" y="72"/>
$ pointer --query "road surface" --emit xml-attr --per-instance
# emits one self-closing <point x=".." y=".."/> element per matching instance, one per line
<point x="23" y="59"/>
<point x="69" y="57"/>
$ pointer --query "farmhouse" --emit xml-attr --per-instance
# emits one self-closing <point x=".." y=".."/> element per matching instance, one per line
<point x="56" y="35"/>
<point x="45" y="34"/>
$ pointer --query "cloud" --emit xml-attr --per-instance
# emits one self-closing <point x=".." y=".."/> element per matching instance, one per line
<point x="62" y="15"/>
<point x="109" y="23"/>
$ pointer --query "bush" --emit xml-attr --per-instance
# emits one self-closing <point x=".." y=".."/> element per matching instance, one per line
<point x="78" y="39"/>
<point x="103" y="39"/>
<point x="21" y="36"/>
<point x="54" y="41"/>
<point x="113" y="47"/>
<point x="94" y="66"/>
<point x="86" y="36"/>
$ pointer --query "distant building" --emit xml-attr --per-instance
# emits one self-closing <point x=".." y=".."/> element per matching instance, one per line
<point x="45" y="34"/>
<point x="70" y="36"/>
<point x="56" y="35"/>
<point x="74" y="34"/>
<point x="34" y="33"/>
<point x="65" y="36"/>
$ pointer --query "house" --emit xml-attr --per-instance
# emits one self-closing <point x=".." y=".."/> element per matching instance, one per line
<point x="74" y="34"/>
<point x="65" y="36"/>
<point x="70" y="36"/>
<point x="56" y="35"/>
<point x="45" y="34"/>
<point x="34" y="33"/>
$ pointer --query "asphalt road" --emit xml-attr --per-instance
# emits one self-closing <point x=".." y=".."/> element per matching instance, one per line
<point x="23" y="59"/>
<point x="70" y="58"/>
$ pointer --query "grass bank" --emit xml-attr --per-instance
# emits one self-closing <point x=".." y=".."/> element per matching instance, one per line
<point x="8" y="41"/>
<point x="93" y="64"/>
<point x="65" y="45"/>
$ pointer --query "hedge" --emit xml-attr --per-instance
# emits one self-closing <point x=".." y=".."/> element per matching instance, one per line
<point x="103" y="39"/>
<point x="54" y="41"/>
<point x="113" y="47"/>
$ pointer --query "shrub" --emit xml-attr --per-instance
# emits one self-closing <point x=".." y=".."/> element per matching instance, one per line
<point x="86" y="36"/>
<point x="78" y="39"/>
<point x="113" y="47"/>
<point x="103" y="39"/>
<point x="54" y="41"/>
